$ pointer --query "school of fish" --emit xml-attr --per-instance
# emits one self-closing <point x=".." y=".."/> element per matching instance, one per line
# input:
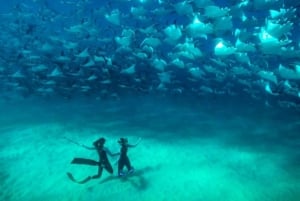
<point x="106" y="49"/>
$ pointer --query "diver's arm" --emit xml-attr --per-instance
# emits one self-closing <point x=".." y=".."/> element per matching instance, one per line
<point x="134" y="145"/>
<point x="78" y="144"/>
<point x="110" y="153"/>
<point x="89" y="148"/>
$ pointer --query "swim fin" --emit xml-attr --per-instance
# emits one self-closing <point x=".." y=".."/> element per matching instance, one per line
<point x="76" y="181"/>
<point x="84" y="161"/>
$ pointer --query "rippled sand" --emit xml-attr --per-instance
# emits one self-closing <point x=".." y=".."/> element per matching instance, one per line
<point x="189" y="151"/>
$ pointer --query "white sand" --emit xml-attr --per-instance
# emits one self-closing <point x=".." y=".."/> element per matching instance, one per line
<point x="35" y="159"/>
<point x="191" y="169"/>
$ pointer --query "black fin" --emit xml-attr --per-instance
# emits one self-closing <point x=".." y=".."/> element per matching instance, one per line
<point x="76" y="181"/>
<point x="85" y="161"/>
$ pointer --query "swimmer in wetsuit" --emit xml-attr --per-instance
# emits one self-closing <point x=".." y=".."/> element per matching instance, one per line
<point x="124" y="160"/>
<point x="103" y="161"/>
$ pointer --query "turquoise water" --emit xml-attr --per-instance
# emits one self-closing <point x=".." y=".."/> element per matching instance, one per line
<point x="195" y="150"/>
<point x="211" y="88"/>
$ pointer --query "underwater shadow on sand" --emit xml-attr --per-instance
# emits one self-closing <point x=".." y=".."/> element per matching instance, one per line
<point x="137" y="179"/>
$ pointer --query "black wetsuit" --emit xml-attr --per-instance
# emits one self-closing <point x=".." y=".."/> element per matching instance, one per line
<point x="124" y="160"/>
<point x="103" y="162"/>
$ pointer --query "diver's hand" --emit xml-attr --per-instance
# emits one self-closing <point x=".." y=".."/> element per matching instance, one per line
<point x="138" y="141"/>
<point x="84" y="146"/>
<point x="134" y="145"/>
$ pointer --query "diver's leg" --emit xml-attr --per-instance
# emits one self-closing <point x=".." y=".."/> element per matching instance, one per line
<point x="120" y="166"/>
<point x="100" y="169"/>
<point x="128" y="165"/>
<point x="108" y="168"/>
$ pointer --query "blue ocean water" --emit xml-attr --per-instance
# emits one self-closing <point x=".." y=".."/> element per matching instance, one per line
<point x="221" y="127"/>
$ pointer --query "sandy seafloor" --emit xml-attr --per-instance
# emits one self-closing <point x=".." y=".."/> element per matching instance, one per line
<point x="198" y="150"/>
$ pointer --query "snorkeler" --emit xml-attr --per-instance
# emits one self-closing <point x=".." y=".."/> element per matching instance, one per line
<point x="102" y="163"/>
<point x="124" y="160"/>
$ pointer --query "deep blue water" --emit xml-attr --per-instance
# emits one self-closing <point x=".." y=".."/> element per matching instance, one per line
<point x="253" y="122"/>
